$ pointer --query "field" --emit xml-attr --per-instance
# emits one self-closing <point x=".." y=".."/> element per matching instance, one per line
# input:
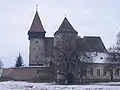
<point x="19" y="85"/>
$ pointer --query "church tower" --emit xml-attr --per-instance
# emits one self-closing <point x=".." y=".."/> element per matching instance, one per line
<point x="65" y="30"/>
<point x="36" y="35"/>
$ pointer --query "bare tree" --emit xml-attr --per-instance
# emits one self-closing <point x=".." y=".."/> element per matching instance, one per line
<point x="64" y="57"/>
<point x="68" y="58"/>
<point x="113" y="55"/>
<point x="81" y="63"/>
<point x="1" y="68"/>
<point x="118" y="42"/>
<point x="1" y="63"/>
<point x="114" y="51"/>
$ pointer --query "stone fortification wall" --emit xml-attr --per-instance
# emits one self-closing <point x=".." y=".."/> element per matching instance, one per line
<point x="34" y="74"/>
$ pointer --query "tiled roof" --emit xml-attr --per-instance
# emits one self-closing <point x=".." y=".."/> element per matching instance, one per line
<point x="36" y="24"/>
<point x="91" y="44"/>
<point x="66" y="27"/>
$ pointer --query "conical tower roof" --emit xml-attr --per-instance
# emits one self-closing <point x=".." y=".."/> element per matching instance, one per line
<point x="36" y="24"/>
<point x="66" y="27"/>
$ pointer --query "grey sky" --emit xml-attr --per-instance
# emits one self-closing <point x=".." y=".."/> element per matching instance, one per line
<point x="88" y="17"/>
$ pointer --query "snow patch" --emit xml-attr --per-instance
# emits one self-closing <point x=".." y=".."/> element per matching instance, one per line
<point x="19" y="85"/>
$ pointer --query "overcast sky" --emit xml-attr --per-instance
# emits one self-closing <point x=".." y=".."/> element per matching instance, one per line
<point x="88" y="17"/>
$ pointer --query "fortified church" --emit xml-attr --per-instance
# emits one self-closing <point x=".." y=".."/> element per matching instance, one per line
<point x="42" y="48"/>
<point x="41" y="53"/>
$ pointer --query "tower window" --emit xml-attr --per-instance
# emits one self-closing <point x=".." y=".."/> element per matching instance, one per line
<point x="36" y="57"/>
<point x="36" y="41"/>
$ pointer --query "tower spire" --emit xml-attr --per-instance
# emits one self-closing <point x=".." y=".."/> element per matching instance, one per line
<point x="65" y="15"/>
<point x="66" y="27"/>
<point x="36" y="7"/>
<point x="36" y="24"/>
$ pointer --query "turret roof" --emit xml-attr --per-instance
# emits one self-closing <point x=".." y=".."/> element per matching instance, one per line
<point x="36" y="24"/>
<point x="66" y="27"/>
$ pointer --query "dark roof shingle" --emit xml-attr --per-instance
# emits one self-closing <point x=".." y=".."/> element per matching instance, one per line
<point x="66" y="27"/>
<point x="36" y="24"/>
<point x="91" y="44"/>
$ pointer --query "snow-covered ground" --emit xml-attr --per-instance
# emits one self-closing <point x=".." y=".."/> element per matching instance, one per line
<point x="15" y="85"/>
